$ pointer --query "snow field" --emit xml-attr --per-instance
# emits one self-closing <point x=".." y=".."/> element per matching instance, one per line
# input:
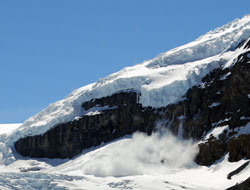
<point x="132" y="162"/>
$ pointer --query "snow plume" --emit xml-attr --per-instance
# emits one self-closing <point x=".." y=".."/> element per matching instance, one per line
<point x="142" y="154"/>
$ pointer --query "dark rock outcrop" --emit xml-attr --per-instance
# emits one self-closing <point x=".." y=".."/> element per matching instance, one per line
<point x="238" y="170"/>
<point x="233" y="110"/>
<point x="211" y="151"/>
<point x="221" y="99"/>
<point x="239" y="148"/>
<point x="124" y="116"/>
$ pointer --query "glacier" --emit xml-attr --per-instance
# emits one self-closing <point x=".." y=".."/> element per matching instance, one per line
<point x="160" y="81"/>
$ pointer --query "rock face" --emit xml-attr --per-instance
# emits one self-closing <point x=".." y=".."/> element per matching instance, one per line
<point x="239" y="148"/>
<point x="238" y="170"/>
<point x="122" y="115"/>
<point x="221" y="99"/>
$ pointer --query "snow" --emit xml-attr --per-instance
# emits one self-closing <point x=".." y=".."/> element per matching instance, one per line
<point x="232" y="56"/>
<point x="225" y="76"/>
<point x="125" y="163"/>
<point x="221" y="121"/>
<point x="9" y="180"/>
<point x="97" y="110"/>
<point x="244" y="129"/>
<point x="215" y="104"/>
<point x="93" y="113"/>
<point x="7" y="128"/>
<point x="216" y="131"/>
<point x="244" y="118"/>
<point x="212" y="43"/>
<point x="138" y="155"/>
<point x="220" y="129"/>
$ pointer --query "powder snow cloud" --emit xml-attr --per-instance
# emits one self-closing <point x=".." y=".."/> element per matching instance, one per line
<point x="143" y="154"/>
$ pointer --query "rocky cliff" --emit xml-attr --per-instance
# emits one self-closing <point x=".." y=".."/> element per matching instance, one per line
<point x="120" y="115"/>
<point x="221" y="99"/>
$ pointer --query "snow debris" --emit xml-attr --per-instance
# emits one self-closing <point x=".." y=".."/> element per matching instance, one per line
<point x="221" y="121"/>
<point x="34" y="181"/>
<point x="216" y="131"/>
<point x="244" y="129"/>
<point x="93" y="113"/>
<point x="225" y="76"/>
<point x="215" y="104"/>
<point x="144" y="155"/>
<point x="244" y="118"/>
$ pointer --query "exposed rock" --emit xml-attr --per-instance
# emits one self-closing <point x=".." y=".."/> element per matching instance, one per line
<point x="210" y="151"/>
<point x="238" y="170"/>
<point x="239" y="148"/>
<point x="68" y="140"/>
<point x="234" y="104"/>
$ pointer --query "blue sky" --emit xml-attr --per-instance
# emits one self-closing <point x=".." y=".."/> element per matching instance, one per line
<point x="49" y="48"/>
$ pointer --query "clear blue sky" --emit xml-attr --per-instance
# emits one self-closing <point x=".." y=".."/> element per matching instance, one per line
<point x="50" y="47"/>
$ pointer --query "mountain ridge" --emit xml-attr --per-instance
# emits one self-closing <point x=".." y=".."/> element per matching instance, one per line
<point x="153" y="84"/>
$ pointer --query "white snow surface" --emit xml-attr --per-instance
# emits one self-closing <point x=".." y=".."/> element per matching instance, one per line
<point x="161" y="81"/>
<point x="132" y="162"/>
<point x="215" y="104"/>
<point x="7" y="128"/>
<point x="216" y="131"/>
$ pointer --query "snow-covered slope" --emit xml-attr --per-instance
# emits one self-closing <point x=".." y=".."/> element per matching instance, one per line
<point x="161" y="81"/>
<point x="7" y="128"/>
<point x="110" y="164"/>
<point x="132" y="162"/>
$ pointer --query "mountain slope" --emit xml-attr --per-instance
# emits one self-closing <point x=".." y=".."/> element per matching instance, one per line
<point x="160" y="81"/>
<point x="157" y="86"/>
<point x="219" y="103"/>
<point x="199" y="91"/>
